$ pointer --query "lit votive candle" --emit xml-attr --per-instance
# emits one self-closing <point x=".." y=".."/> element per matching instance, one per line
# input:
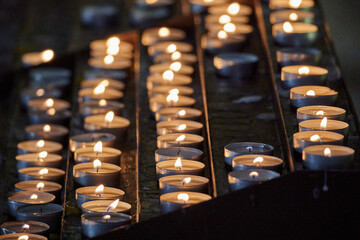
<point x="302" y="140"/>
<point x="103" y="44"/>
<point x="98" y="93"/>
<point x="36" y="58"/>
<point x="178" y="126"/>
<point x="114" y="51"/>
<point x="96" y="173"/>
<point x="168" y="78"/>
<point x="324" y="125"/>
<point x="180" y="140"/>
<point x="291" y="4"/>
<point x="242" y="148"/>
<point x="22" y="236"/>
<point x="325" y="157"/>
<point x="99" y="107"/>
<point x="319" y="112"/>
<point x="312" y="95"/>
<point x="22" y="227"/>
<point x="105" y="206"/>
<point x="18" y="199"/>
<point x="172" y="100"/>
<point x="48" y="111"/>
<point x="177" y="200"/>
<point x="107" y="82"/>
<point x="169" y="48"/>
<point x="176" y="67"/>
<point x="153" y="35"/>
<point x="222" y="42"/>
<point x="295" y="34"/>
<point x="291" y="15"/>
<point x="52" y="132"/>
<point x="104" y="154"/>
<point x="108" y="62"/>
<point x="199" y="6"/>
<point x="44" y="104"/>
<point x="184" y="58"/>
<point x="298" y="56"/>
<point x="39" y="173"/>
<point x="95" y="224"/>
<point x="179" y="167"/>
<point x="187" y="183"/>
<point x="178" y="113"/>
<point x="40" y="159"/>
<point x="39" y="186"/>
<point x="255" y="161"/>
<point x="225" y="18"/>
<point x="36" y="146"/>
<point x="300" y="75"/>
<point x="90" y="139"/>
<point x="232" y="9"/>
<point x="231" y="29"/>
<point x="29" y="94"/>
<point x="242" y="65"/>
<point x="86" y="194"/>
<point x="167" y="89"/>
<point x="164" y="154"/>
<point x="244" y="178"/>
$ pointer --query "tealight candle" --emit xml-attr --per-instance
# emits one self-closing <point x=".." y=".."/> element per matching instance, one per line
<point x="172" y="153"/>
<point x="106" y="82"/>
<point x="107" y="123"/>
<point x="22" y="236"/>
<point x="242" y="65"/>
<point x="154" y="4"/>
<point x="104" y="154"/>
<point x="300" y="75"/>
<point x="178" y="113"/>
<point x="318" y="111"/>
<point x="153" y="35"/>
<point x="98" y="93"/>
<point x="44" y="104"/>
<point x="18" y="199"/>
<point x="166" y="89"/>
<point x="179" y="167"/>
<point x="103" y="44"/>
<point x="99" y="107"/>
<point x="108" y="62"/>
<point x="230" y="29"/>
<point x="95" y="224"/>
<point x="177" y="200"/>
<point x="302" y="140"/>
<point x="172" y="100"/>
<point x="199" y="6"/>
<point x="90" y="139"/>
<point x="50" y="116"/>
<point x="325" y="157"/>
<point x="35" y="58"/>
<point x="176" y="67"/>
<point x="298" y="56"/>
<point x="169" y="47"/>
<point x="36" y="146"/>
<point x="39" y="173"/>
<point x="48" y="213"/>
<point x="96" y="173"/>
<point x="222" y="42"/>
<point x="255" y="161"/>
<point x="291" y="4"/>
<point x="187" y="183"/>
<point x="225" y="18"/>
<point x="324" y="125"/>
<point x="178" y="126"/>
<point x="312" y="95"/>
<point x="232" y="9"/>
<point x="105" y="206"/>
<point x="22" y="227"/>
<point x="86" y="194"/>
<point x="291" y="15"/>
<point x="112" y="50"/>
<point x="120" y="75"/>
<point x="41" y="159"/>
<point x="167" y="78"/>
<point x="29" y="94"/>
<point x="184" y="58"/>
<point x="180" y="140"/>
<point x="50" y="77"/>
<point x="50" y="132"/>
<point x="296" y="34"/>
<point x="242" y="148"/>
<point x="39" y="186"/>
<point x="244" y="178"/>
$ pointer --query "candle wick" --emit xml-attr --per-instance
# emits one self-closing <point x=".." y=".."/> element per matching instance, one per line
<point x="97" y="170"/>
<point x="98" y="194"/>
<point x="178" y="153"/>
<point x="40" y="210"/>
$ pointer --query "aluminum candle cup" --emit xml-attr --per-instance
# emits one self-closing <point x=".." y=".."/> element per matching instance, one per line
<point x="44" y="104"/>
<point x="255" y="161"/>
<point x="232" y="9"/>
<point x="108" y="63"/>
<point x="29" y="94"/>
<point x="319" y="112"/>
<point x="178" y="126"/>
<point x="169" y="47"/>
<point x="242" y="65"/>
<point x="281" y="4"/>
<point x="222" y="42"/>
<point x="106" y="155"/>
<point x="200" y="6"/>
<point x="31" y="59"/>
<point x="90" y="139"/>
<point x="167" y="78"/>
<point x="186" y="167"/>
<point x="291" y="15"/>
<point x="107" y="82"/>
<point x="119" y="55"/>
<point x="50" y="132"/>
<point x="38" y="160"/>
<point x="19" y="236"/>
<point x="320" y="125"/>
<point x="99" y="107"/>
<point x="302" y="75"/>
<point x="312" y="95"/>
<point x="159" y="102"/>
<point x="302" y="140"/>
<point x="166" y="90"/>
<point x="40" y="186"/>
<point x="36" y="146"/>
<point x="178" y="113"/>
<point x="120" y="75"/>
<point x="242" y="148"/>
<point x="86" y="194"/>
<point x="177" y="200"/>
<point x="48" y="213"/>
<point x="244" y="178"/>
<point x="51" y="116"/>
<point x="164" y="154"/>
<point x="98" y="123"/>
<point x="95" y="224"/>
<point x="86" y="175"/>
<point x="40" y="173"/>
<point x="231" y="29"/>
<point x="298" y="56"/>
<point x="19" y="199"/>
<point x="184" y="58"/>
<point x="88" y="94"/>
<point x="180" y="140"/>
<point x="187" y="183"/>
<point x="51" y="77"/>
<point x="154" y="35"/>
<point x="295" y="34"/>
<point x="176" y="67"/>
<point x="325" y="157"/>
<point x="22" y="227"/>
<point x="225" y="18"/>
<point x="103" y="206"/>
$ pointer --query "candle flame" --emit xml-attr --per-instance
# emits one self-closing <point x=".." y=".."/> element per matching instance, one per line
<point x="180" y="138"/>
<point x="47" y="55"/>
<point x="185" y="181"/>
<point x="99" y="190"/>
<point x="293" y="16"/>
<point x="112" y="41"/>
<point x="178" y="163"/>
<point x="171" y="48"/>
<point x="109" y="117"/>
<point x="327" y="152"/>
<point x="253" y="174"/>
<point x="175" y="66"/>
<point x="104" y="82"/>
<point x="106" y="217"/>
<point x="168" y="75"/>
<point x="47" y="128"/>
<point x="40" y="186"/>
<point x="181" y="127"/>
<point x="108" y="59"/>
<point x="288" y="28"/>
<point x="174" y="91"/>
<point x="42" y="154"/>
<point x="310" y="93"/>
<point x="323" y="123"/>
<point x="33" y="197"/>
<point x="233" y="8"/>
<point x="113" y="50"/>
<point x="181" y="113"/>
<point x="208" y="1"/>
<point x="40" y="92"/>
<point x="320" y="113"/>
<point x="229" y="27"/>
<point x="40" y="143"/>
<point x="258" y="161"/>
<point x="224" y="19"/>
<point x="172" y="98"/>
<point x="183" y="196"/>
<point x="304" y="71"/>
<point x="98" y="147"/>
<point x="102" y="103"/>
<point x="51" y="111"/>
<point x="222" y="35"/>
<point x="97" y="164"/>
<point x="164" y="32"/>
<point x="49" y="102"/>
<point x="23" y="237"/>
<point x="25" y="227"/>
<point x="315" y="138"/>
<point x="112" y="206"/>
<point x="175" y="56"/>
<point x="295" y="3"/>
<point x="44" y="171"/>
<point x="150" y="1"/>
<point x="100" y="89"/>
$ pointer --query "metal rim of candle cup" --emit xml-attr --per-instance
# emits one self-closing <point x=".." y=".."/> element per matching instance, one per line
<point x="8" y="227"/>
<point x="90" y="125"/>
<point x="26" y="174"/>
<point x="298" y="56"/>
<point x="155" y="80"/>
<point x="120" y="65"/>
<point x="161" y="47"/>
<point x="302" y="115"/>
<point x="108" y="155"/>
<point x="150" y="36"/>
<point x="163" y="168"/>
<point x="19" y="186"/>
<point x="166" y="127"/>
<point x="186" y="58"/>
<point x="162" y="67"/>
<point x="24" y="161"/>
<point x="92" y="107"/>
<point x="172" y="153"/>
<point x="290" y="79"/>
<point x="294" y="39"/>
<point x="240" y="179"/>
<point x="167" y="185"/>
<point x="58" y="133"/>
<point x="168" y="140"/>
<point x="90" y="139"/>
<point x="82" y="194"/>
<point x="59" y="105"/>
<point x="16" y="236"/>
<point x="300" y="99"/>
<point x="159" y="102"/>
<point x="342" y="129"/>
<point x="165" y="89"/>
<point x="168" y="113"/>
<point x="299" y="143"/>
<point x="122" y="207"/>
<point x="239" y="162"/>
<point x="22" y="147"/>
<point x="302" y="16"/>
<point x="87" y="94"/>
